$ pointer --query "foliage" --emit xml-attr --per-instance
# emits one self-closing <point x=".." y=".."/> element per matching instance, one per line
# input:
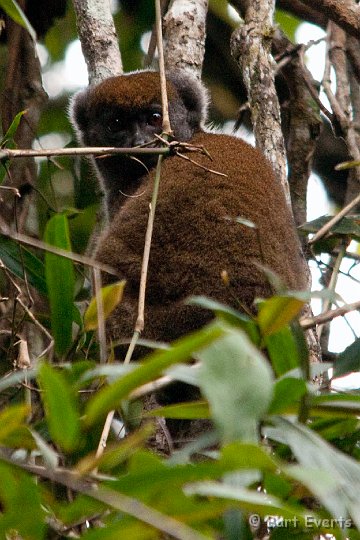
<point x="283" y="454"/>
<point x="268" y="464"/>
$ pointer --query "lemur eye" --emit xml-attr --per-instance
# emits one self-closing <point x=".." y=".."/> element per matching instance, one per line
<point x="114" y="125"/>
<point x="155" y="119"/>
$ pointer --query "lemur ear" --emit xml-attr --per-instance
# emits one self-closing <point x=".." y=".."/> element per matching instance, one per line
<point x="194" y="96"/>
<point x="78" y="112"/>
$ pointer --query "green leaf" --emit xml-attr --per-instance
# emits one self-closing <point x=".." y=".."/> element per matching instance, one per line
<point x="247" y="456"/>
<point x="288" y="23"/>
<point x="277" y="312"/>
<point x="8" y="141"/>
<point x="287" y="393"/>
<point x="8" y="138"/>
<point x="189" y="411"/>
<point x="21" y="508"/>
<point x="111" y="297"/>
<point x="13" y="430"/>
<point x="229" y="315"/>
<point x="12" y="8"/>
<point x="335" y="405"/>
<point x="147" y="473"/>
<point x="16" y="258"/>
<point x="345" y="227"/>
<point x="81" y="227"/>
<point x="109" y="397"/>
<point x="331" y="428"/>
<point x="333" y="477"/>
<point x="80" y="509"/>
<point x="51" y="458"/>
<point x="283" y="351"/>
<point x="348" y="361"/>
<point x="115" y="453"/>
<point x="255" y="502"/>
<point x="126" y="529"/>
<point x="237" y="381"/>
<point x="60" y="281"/>
<point x="61" y="408"/>
<point x="277" y="485"/>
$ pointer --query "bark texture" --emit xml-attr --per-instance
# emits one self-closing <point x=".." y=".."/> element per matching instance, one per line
<point x="184" y="35"/>
<point x="98" y="38"/>
<point x="251" y="46"/>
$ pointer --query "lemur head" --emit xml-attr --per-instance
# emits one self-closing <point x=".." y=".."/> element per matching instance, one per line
<point x="125" y="111"/>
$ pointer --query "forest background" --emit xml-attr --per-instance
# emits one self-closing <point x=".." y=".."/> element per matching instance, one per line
<point x="286" y="459"/>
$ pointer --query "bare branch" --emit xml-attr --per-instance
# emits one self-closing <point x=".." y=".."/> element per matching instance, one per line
<point x="326" y="304"/>
<point x="304" y="123"/>
<point x="83" y="151"/>
<point x="328" y="315"/>
<point x="250" y="46"/>
<point x="344" y="13"/>
<point x="98" y="38"/>
<point x="341" y="106"/>
<point x="333" y="221"/>
<point x="140" y="321"/>
<point x="184" y="35"/>
<point x="164" y="99"/>
<point x="27" y="240"/>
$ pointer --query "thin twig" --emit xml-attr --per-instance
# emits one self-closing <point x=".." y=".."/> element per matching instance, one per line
<point x="83" y="151"/>
<point x="151" y="387"/>
<point x="139" y="326"/>
<point x="199" y="164"/>
<point x="342" y="119"/>
<point x="34" y="242"/>
<point x="132" y="345"/>
<point x="104" y="435"/>
<point x="49" y="348"/>
<point x="153" y="39"/>
<point x="334" y="220"/>
<point x="14" y="190"/>
<point x="309" y="83"/>
<point x="164" y="100"/>
<point x="332" y="283"/>
<point x="328" y="315"/>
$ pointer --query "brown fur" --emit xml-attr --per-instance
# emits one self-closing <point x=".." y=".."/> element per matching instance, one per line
<point x="196" y="236"/>
<point x="194" y="240"/>
<point x="129" y="91"/>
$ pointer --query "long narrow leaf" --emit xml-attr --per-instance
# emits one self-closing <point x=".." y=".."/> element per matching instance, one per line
<point x="61" y="409"/>
<point x="8" y="141"/>
<point x="109" y="397"/>
<point x="277" y="312"/>
<point x="17" y="259"/>
<point x="111" y="296"/>
<point x="60" y="283"/>
<point x="12" y="8"/>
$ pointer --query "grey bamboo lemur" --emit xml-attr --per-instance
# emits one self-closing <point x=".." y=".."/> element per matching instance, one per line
<point x="196" y="234"/>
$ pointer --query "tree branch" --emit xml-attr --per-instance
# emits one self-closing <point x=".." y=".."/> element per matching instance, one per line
<point x="304" y="124"/>
<point x="250" y="46"/>
<point x="184" y="35"/>
<point x="345" y="13"/>
<point x="328" y="316"/>
<point x="99" y="41"/>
